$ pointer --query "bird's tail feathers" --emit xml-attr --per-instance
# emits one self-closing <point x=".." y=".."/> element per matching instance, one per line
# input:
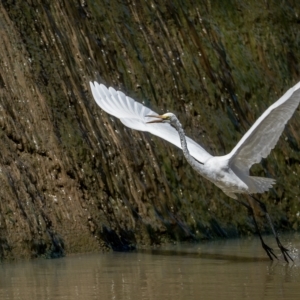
<point x="259" y="184"/>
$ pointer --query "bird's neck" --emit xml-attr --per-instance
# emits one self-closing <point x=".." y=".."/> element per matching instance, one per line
<point x="198" y="166"/>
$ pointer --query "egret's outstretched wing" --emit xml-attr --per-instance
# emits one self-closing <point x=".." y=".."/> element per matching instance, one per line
<point x="133" y="115"/>
<point x="262" y="137"/>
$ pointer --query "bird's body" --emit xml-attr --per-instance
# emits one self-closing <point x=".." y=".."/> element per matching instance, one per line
<point x="229" y="172"/>
<point x="230" y="179"/>
<point x="219" y="172"/>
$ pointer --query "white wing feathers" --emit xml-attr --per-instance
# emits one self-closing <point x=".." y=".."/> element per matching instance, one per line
<point x="133" y="115"/>
<point x="256" y="144"/>
<point x="262" y="137"/>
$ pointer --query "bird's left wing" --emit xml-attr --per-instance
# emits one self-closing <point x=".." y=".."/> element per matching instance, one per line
<point x="133" y="115"/>
<point x="262" y="137"/>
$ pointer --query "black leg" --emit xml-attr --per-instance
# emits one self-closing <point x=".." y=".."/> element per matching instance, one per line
<point x="283" y="250"/>
<point x="268" y="249"/>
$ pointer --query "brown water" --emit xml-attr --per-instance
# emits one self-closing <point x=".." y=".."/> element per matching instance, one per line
<point x="236" y="269"/>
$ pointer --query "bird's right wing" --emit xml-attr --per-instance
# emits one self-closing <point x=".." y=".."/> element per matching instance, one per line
<point x="133" y="115"/>
<point x="262" y="137"/>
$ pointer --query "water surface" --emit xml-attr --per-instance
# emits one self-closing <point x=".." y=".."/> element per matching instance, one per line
<point x="235" y="269"/>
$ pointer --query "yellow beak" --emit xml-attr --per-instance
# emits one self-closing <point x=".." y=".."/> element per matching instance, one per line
<point x="161" y="118"/>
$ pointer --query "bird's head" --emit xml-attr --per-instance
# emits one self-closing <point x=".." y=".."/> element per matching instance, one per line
<point x="165" y="118"/>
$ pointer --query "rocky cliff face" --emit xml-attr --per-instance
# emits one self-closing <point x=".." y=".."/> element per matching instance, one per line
<point x="73" y="179"/>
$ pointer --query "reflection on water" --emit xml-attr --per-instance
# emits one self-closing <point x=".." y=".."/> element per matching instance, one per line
<point x="236" y="269"/>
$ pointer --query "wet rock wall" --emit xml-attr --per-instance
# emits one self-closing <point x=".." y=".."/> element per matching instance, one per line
<point x="73" y="179"/>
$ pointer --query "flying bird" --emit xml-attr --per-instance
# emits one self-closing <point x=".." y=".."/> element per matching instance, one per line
<point x="229" y="172"/>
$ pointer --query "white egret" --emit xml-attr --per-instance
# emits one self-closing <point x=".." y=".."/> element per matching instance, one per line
<point x="229" y="172"/>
